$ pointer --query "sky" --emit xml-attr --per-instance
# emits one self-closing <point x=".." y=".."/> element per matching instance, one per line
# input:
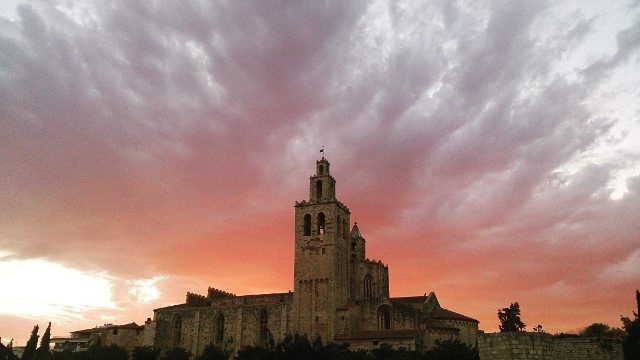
<point x="489" y="151"/>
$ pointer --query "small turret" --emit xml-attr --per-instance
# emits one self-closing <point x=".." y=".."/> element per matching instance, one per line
<point x="322" y="186"/>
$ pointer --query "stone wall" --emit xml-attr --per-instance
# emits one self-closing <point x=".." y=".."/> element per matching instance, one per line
<point x="128" y="338"/>
<point x="590" y="348"/>
<point x="193" y="328"/>
<point x="515" y="345"/>
<point x="149" y="333"/>
<point x="540" y="346"/>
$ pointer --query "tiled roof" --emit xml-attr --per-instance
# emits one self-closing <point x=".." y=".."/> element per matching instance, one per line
<point x="132" y="325"/>
<point x="442" y="313"/>
<point x="437" y="312"/>
<point x="446" y="328"/>
<point x="379" y="334"/>
<point x="409" y="299"/>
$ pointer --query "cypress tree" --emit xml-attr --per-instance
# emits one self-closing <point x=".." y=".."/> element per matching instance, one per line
<point x="30" y="348"/>
<point x="44" y="342"/>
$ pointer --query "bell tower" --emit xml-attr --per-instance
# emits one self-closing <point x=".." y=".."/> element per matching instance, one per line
<point x="321" y="279"/>
<point x="322" y="186"/>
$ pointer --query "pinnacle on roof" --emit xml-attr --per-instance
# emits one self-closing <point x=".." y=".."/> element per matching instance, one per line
<point x="355" y="231"/>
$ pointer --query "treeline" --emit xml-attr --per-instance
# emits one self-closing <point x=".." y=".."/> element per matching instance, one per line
<point x="291" y="348"/>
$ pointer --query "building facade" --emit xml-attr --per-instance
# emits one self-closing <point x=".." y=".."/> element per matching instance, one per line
<point x="339" y="295"/>
<point x="127" y="336"/>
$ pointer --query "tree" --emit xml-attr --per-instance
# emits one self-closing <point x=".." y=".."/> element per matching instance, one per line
<point x="30" y="348"/>
<point x="214" y="353"/>
<point x="145" y="353"/>
<point x="177" y="353"/>
<point x="44" y="342"/>
<point x="452" y="350"/>
<point x="600" y="330"/>
<point x="631" y="341"/>
<point x="97" y="352"/>
<point x="294" y="347"/>
<point x="510" y="318"/>
<point x="253" y="353"/>
<point x="6" y="352"/>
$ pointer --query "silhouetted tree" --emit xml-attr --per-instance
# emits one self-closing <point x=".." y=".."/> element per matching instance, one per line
<point x="6" y="353"/>
<point x="177" y="353"/>
<point x="387" y="352"/>
<point x="43" y="350"/>
<point x="97" y="352"/>
<point x="254" y="353"/>
<point x="30" y="348"/>
<point x="63" y="355"/>
<point x="214" y="353"/>
<point x="510" y="318"/>
<point x="335" y="351"/>
<point x="631" y="341"/>
<point x="145" y="353"/>
<point x="600" y="330"/>
<point x="294" y="347"/>
<point x="452" y="350"/>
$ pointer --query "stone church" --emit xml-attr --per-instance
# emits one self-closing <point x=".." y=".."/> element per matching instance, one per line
<point x="339" y="295"/>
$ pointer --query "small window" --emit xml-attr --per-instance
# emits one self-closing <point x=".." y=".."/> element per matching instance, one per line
<point x="353" y="245"/>
<point x="339" y="225"/>
<point x="320" y="170"/>
<point x="307" y="225"/>
<point x="317" y="318"/>
<point x="115" y="331"/>
<point x="321" y="223"/>
<point x="323" y="250"/>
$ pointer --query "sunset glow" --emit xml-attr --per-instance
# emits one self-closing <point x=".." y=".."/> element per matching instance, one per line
<point x="489" y="152"/>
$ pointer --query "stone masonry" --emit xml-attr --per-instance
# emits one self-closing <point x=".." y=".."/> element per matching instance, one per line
<point x="339" y="295"/>
<point x="542" y="346"/>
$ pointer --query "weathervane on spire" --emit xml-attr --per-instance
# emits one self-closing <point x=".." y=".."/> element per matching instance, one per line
<point x="322" y="151"/>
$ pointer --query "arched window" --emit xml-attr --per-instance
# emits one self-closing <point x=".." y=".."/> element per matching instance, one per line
<point x="318" y="189"/>
<point x="263" y="325"/>
<point x="220" y="328"/>
<point x="320" y="170"/>
<point x="368" y="286"/>
<point x="345" y="229"/>
<point x="339" y="227"/>
<point x="321" y="226"/>
<point x="177" y="331"/>
<point x="384" y="317"/>
<point x="307" y="225"/>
